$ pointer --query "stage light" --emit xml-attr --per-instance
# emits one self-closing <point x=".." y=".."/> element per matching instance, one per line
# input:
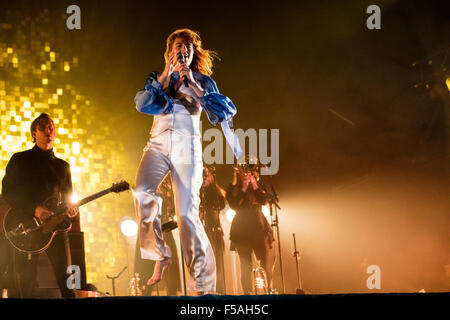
<point x="266" y="212"/>
<point x="74" y="198"/>
<point x="230" y="214"/>
<point x="447" y="82"/>
<point x="89" y="168"/>
<point x="76" y="147"/>
<point x="128" y="227"/>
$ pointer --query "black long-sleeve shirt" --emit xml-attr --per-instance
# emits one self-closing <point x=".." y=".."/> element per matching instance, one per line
<point x="32" y="177"/>
<point x="238" y="199"/>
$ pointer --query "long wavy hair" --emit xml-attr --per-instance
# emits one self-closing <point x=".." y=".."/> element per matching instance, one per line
<point x="203" y="59"/>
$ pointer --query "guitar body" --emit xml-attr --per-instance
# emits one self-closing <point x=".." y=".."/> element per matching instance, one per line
<point x="37" y="240"/>
<point x="29" y="236"/>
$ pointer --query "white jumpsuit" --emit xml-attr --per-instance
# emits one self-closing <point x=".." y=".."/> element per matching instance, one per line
<point x="175" y="146"/>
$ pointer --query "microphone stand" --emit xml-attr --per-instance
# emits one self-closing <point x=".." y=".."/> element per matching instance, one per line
<point x="113" y="280"/>
<point x="296" y="255"/>
<point x="273" y="205"/>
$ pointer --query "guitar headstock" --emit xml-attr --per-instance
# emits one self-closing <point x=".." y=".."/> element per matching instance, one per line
<point x="120" y="186"/>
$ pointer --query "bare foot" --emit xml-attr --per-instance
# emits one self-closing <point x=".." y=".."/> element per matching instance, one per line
<point x="158" y="271"/>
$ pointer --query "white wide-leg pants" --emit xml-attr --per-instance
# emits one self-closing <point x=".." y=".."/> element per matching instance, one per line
<point x="181" y="155"/>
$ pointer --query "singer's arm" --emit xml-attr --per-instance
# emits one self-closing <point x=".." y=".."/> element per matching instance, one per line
<point x="163" y="76"/>
<point x="197" y="89"/>
<point x="217" y="106"/>
<point x="153" y="100"/>
<point x="170" y="67"/>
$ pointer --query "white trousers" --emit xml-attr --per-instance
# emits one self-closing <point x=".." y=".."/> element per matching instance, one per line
<point x="181" y="155"/>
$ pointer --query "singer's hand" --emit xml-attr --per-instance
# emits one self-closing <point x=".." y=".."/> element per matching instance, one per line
<point x="186" y="71"/>
<point x="171" y="66"/>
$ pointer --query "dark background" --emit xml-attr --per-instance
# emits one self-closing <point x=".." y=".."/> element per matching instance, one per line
<point x="285" y="65"/>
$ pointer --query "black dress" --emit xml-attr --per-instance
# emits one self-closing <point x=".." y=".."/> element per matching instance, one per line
<point x="249" y="225"/>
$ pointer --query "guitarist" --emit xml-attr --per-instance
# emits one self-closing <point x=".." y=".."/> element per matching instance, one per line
<point x="32" y="177"/>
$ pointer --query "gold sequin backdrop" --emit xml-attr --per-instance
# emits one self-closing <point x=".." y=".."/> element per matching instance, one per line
<point x="36" y="78"/>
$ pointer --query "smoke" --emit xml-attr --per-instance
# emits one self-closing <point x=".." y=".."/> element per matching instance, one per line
<point x="396" y="222"/>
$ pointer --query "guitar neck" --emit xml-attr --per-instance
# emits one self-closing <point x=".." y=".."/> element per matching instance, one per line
<point x="93" y="197"/>
<point x="86" y="200"/>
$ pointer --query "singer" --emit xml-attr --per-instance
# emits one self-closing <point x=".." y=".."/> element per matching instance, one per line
<point x="176" y="98"/>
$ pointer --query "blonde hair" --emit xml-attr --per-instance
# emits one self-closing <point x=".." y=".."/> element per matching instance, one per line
<point x="203" y="59"/>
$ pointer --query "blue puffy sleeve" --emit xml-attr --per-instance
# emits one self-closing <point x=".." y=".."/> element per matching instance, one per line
<point x="153" y="100"/>
<point x="218" y="107"/>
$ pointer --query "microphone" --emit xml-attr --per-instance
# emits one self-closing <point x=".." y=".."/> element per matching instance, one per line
<point x="180" y="59"/>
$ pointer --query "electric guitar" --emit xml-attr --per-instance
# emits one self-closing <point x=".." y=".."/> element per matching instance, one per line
<point x="33" y="236"/>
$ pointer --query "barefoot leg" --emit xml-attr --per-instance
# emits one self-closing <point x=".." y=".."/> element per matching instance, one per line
<point x="158" y="271"/>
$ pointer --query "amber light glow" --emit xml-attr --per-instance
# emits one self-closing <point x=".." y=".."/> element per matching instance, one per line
<point x="37" y="80"/>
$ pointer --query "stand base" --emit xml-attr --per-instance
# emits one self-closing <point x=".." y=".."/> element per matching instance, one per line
<point x="299" y="291"/>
